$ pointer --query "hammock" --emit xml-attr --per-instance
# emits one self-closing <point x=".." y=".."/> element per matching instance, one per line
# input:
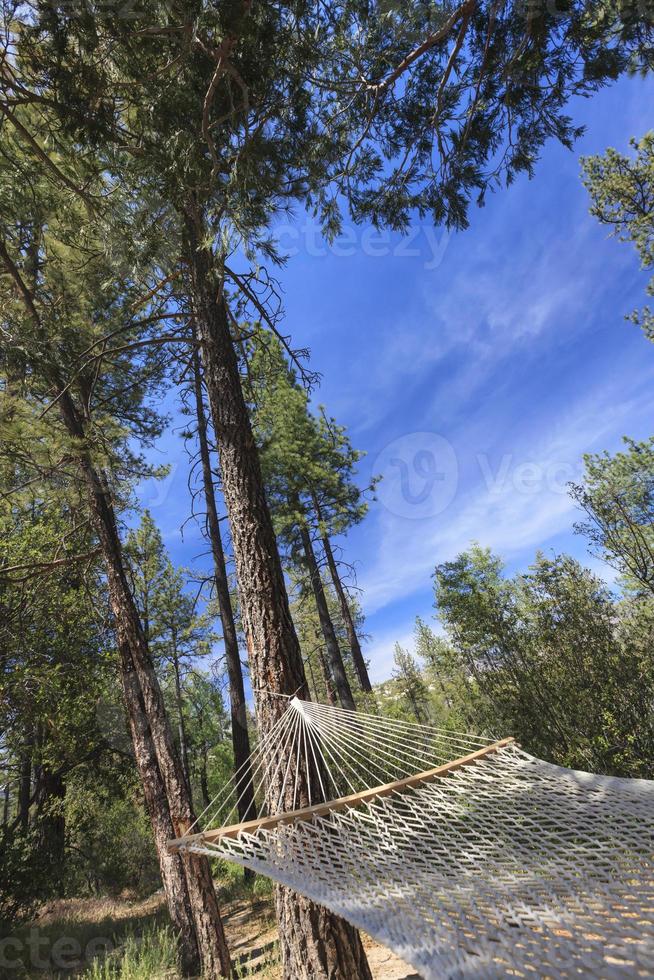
<point x="494" y="864"/>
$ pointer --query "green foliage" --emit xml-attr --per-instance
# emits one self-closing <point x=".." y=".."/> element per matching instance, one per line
<point x="308" y="463"/>
<point x="56" y="666"/>
<point x="20" y="870"/>
<point x="180" y="637"/>
<point x="207" y="731"/>
<point x="553" y="661"/>
<point x="62" y="718"/>
<point x="618" y="497"/>
<point x="410" y="682"/>
<point x="307" y="625"/>
<point x="144" y="551"/>
<point x="174" y="628"/>
<point x="384" y="108"/>
<point x="622" y="193"/>
<point x="452" y="696"/>
<point x="151" y="954"/>
<point x="109" y="838"/>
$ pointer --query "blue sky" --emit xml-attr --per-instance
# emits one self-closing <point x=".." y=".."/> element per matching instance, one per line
<point x="474" y="369"/>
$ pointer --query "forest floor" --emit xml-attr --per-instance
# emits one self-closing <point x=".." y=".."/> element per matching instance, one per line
<point x="90" y="925"/>
<point x="252" y="936"/>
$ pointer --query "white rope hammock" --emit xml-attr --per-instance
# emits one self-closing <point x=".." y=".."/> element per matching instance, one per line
<point x="493" y="864"/>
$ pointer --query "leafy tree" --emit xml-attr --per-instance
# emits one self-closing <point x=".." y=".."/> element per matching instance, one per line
<point x="618" y="497"/>
<point x="293" y="465"/>
<point x="228" y="113"/>
<point x="144" y="550"/>
<point x="109" y="841"/>
<point x="622" y="193"/>
<point x="549" y="661"/>
<point x="65" y="294"/>
<point x="56" y="664"/>
<point x="411" y="684"/>
<point x="452" y="695"/>
<point x="177" y="634"/>
<point x="207" y="725"/>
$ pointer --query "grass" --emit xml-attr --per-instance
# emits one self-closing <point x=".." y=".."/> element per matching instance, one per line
<point x="148" y="956"/>
<point x="232" y="885"/>
<point x="129" y="939"/>
<point x="70" y="936"/>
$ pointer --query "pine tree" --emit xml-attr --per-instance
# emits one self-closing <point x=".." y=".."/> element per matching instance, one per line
<point x="292" y="465"/>
<point x="412" y="686"/>
<point x="208" y="729"/>
<point x="622" y="193"/>
<point x="214" y="110"/>
<point x="240" y="735"/>
<point x="59" y="295"/>
<point x="177" y="635"/>
<point x="338" y="504"/>
<point x="144" y="550"/>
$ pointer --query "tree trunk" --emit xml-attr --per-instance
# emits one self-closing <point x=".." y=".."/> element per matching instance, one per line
<point x="315" y="943"/>
<point x="171" y="865"/>
<point x="302" y="942"/>
<point x="50" y="823"/>
<point x="346" y="613"/>
<point x="25" y="783"/>
<point x="5" y="805"/>
<point x="209" y="932"/>
<point x="181" y="727"/>
<point x="334" y="658"/>
<point x="240" y="736"/>
<point x="327" y="678"/>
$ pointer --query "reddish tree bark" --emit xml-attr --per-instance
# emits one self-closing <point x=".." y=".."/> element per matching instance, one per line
<point x="332" y="649"/>
<point x="346" y="612"/>
<point x="315" y="944"/>
<point x="240" y="735"/>
<point x="164" y="771"/>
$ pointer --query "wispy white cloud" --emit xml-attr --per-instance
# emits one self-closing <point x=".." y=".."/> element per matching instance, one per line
<point x="519" y="504"/>
<point x="462" y="322"/>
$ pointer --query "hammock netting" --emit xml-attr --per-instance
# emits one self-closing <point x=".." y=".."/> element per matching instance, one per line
<point x="496" y="864"/>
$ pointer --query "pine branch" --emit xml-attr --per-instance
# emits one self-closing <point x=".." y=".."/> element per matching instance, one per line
<point x="464" y="11"/>
<point x="43" y="156"/>
<point x="43" y="567"/>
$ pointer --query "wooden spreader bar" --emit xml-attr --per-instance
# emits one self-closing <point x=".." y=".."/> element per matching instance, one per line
<point x="342" y="803"/>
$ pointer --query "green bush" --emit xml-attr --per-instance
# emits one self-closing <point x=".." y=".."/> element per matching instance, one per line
<point x="110" y="841"/>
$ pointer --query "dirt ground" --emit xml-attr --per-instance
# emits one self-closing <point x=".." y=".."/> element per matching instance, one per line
<point x="250" y="927"/>
<point x="252" y="934"/>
